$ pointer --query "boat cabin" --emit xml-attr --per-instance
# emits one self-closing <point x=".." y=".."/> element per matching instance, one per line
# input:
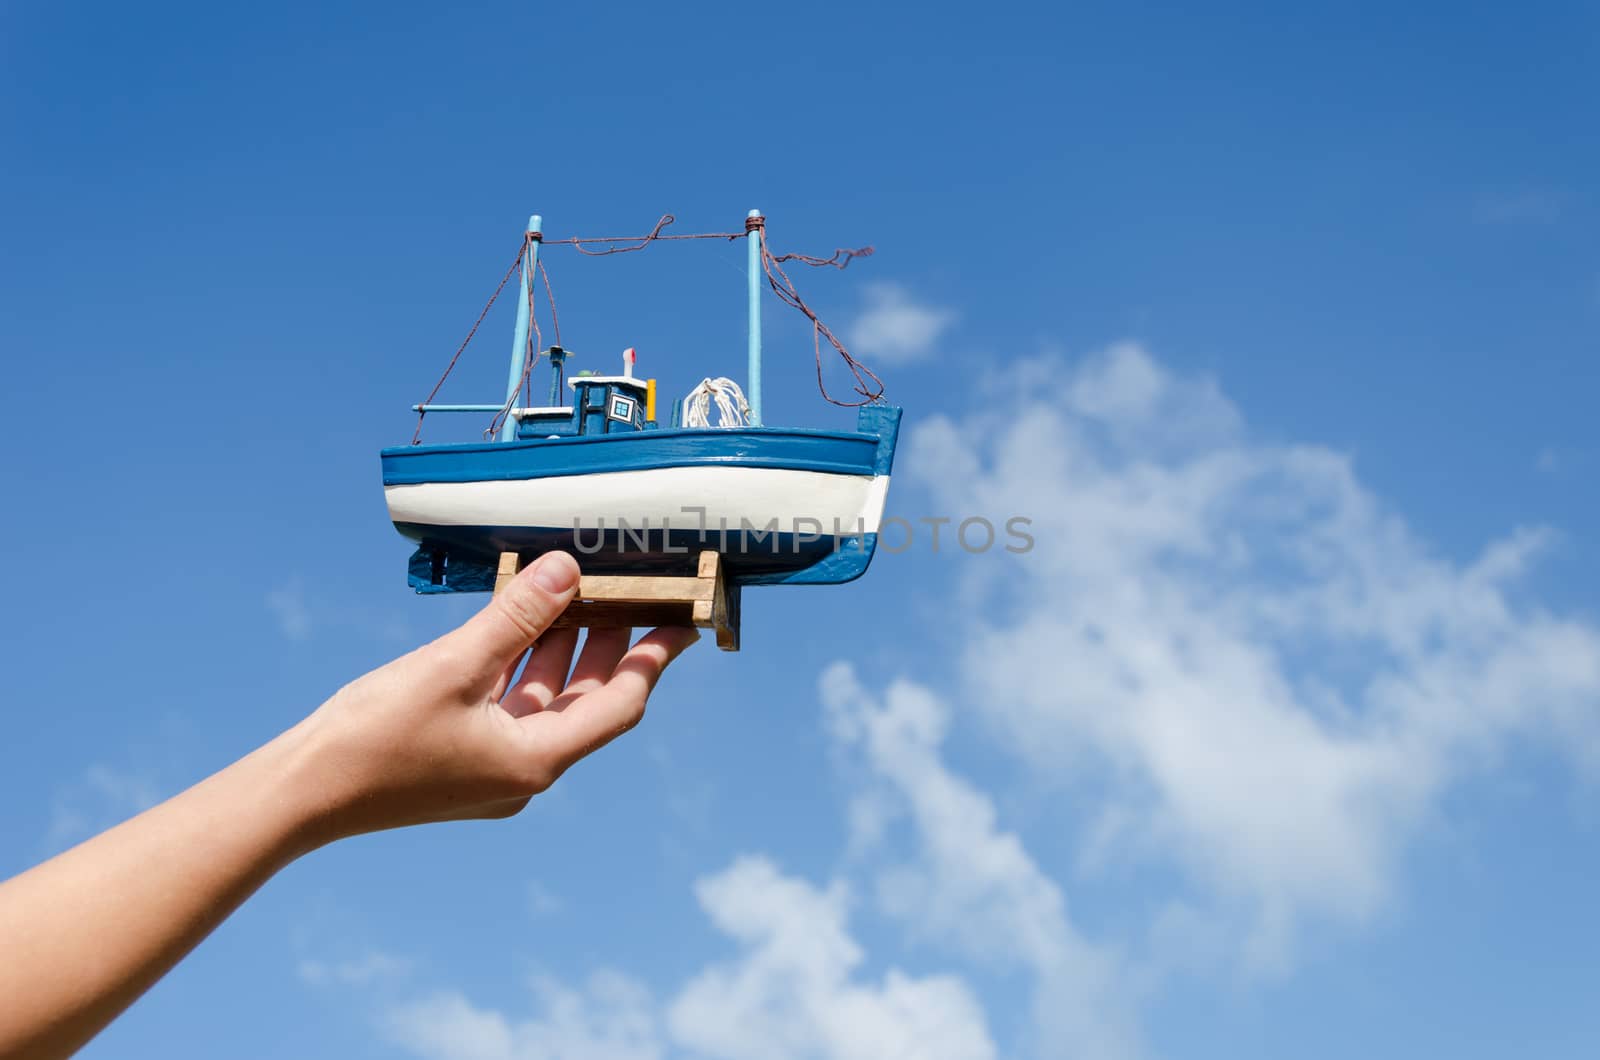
<point x="602" y="404"/>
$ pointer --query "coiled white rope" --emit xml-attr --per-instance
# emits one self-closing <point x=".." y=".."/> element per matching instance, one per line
<point x="732" y="409"/>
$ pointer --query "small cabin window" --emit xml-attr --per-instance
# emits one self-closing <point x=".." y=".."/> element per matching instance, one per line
<point x="622" y="408"/>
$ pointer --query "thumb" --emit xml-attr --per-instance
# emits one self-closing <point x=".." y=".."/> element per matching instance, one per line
<point x="521" y="612"/>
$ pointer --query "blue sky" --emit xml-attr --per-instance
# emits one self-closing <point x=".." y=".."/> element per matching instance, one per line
<point x="1280" y="325"/>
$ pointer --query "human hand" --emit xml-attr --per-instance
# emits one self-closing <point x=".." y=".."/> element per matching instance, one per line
<point x="450" y="731"/>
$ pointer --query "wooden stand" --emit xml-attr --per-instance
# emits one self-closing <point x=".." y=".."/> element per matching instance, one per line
<point x="706" y="599"/>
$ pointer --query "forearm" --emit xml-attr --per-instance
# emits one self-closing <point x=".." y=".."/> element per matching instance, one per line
<point x="86" y="933"/>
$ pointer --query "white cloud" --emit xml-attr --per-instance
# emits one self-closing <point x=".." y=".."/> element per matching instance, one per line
<point x="612" y="1017"/>
<point x="97" y="800"/>
<point x="368" y="968"/>
<point x="791" y="993"/>
<point x="971" y="885"/>
<point x="542" y="901"/>
<point x="1270" y="677"/>
<point x="895" y="328"/>
<point x="288" y="605"/>
<point x="299" y="613"/>
<point x="1526" y="206"/>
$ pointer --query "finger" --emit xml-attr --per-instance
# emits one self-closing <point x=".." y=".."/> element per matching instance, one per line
<point x="604" y="714"/>
<point x="518" y="614"/>
<point x="545" y="675"/>
<point x="603" y="648"/>
<point x="504" y="681"/>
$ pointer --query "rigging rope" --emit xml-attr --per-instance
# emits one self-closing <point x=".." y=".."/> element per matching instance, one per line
<point x="550" y="296"/>
<point x="788" y="295"/>
<point x="530" y="355"/>
<point x="639" y="242"/>
<point x="416" y="435"/>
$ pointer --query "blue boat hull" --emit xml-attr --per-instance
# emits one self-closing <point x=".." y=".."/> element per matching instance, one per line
<point x="782" y="506"/>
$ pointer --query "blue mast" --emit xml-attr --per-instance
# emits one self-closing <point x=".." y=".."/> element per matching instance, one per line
<point x="753" y="225"/>
<point x="519" y="343"/>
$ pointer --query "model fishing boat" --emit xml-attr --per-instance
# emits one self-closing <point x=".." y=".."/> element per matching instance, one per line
<point x="593" y="472"/>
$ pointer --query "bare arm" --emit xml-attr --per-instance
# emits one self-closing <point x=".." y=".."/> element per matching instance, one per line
<point x="447" y="732"/>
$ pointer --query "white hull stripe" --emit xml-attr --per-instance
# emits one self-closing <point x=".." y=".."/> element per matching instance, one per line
<point x="731" y="496"/>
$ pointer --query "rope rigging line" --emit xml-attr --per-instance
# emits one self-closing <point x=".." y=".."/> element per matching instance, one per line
<point x="639" y="242"/>
<point x="788" y="295"/>
<point x="530" y="352"/>
<point x="550" y="296"/>
<point x="416" y="436"/>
